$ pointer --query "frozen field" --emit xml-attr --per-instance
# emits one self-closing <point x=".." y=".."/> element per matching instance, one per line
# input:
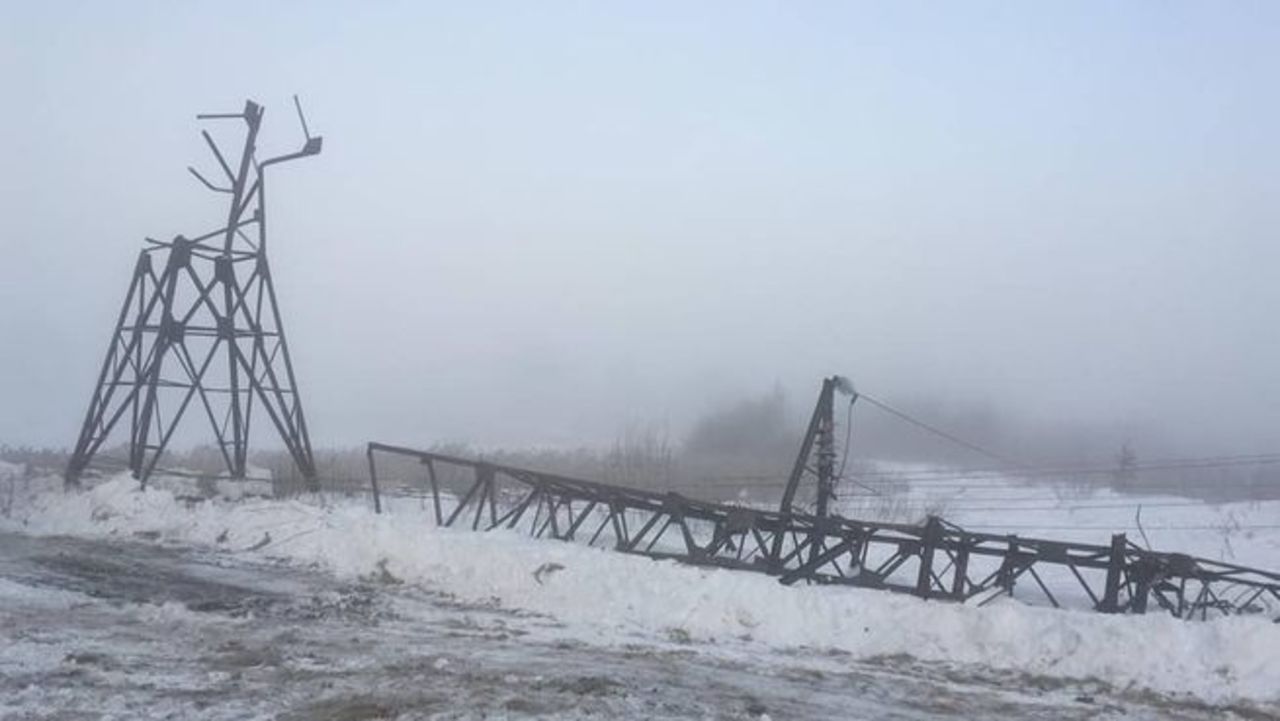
<point x="121" y="604"/>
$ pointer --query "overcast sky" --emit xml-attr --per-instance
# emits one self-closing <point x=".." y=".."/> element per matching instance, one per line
<point x="538" y="222"/>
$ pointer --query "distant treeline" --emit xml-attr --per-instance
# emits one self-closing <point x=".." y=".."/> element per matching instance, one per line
<point x="745" y="449"/>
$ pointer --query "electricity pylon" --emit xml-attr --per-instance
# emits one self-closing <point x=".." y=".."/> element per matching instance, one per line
<point x="201" y="323"/>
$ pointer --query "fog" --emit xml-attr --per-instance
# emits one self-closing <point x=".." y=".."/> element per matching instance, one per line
<point x="1049" y="227"/>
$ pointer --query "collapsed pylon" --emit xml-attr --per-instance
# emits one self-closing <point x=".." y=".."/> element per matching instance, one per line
<point x="201" y="323"/>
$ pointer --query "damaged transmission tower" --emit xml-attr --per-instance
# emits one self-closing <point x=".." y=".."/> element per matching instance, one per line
<point x="200" y="331"/>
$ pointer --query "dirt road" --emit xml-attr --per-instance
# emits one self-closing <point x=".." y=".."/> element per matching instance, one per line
<point x="135" y="629"/>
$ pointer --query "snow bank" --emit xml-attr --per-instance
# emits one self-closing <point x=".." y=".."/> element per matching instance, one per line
<point x="608" y="597"/>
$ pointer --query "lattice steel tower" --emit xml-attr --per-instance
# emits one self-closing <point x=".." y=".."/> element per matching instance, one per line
<point x="200" y="325"/>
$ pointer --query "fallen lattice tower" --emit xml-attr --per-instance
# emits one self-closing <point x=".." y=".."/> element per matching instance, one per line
<point x="932" y="560"/>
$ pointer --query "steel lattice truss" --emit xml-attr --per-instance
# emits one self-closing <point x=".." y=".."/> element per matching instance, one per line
<point x="935" y="560"/>
<point x="201" y="326"/>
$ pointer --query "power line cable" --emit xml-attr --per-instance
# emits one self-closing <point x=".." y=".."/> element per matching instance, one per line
<point x="848" y="436"/>
<point x="945" y="477"/>
<point x="941" y="503"/>
<point x="938" y="431"/>
<point x="1037" y="527"/>
<point x="1170" y="463"/>
<point x="1044" y="481"/>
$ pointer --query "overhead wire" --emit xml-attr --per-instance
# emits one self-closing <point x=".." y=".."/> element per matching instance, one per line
<point x="1083" y="469"/>
<point x="943" y="503"/>
<point x="998" y="478"/>
<point x="848" y="436"/>
<point x="944" y="477"/>
<point x="999" y="458"/>
<point x="1038" y="527"/>
<point x="848" y="445"/>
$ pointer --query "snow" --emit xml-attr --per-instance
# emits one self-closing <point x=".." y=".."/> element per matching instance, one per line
<point x="608" y="598"/>
<point x="1244" y="533"/>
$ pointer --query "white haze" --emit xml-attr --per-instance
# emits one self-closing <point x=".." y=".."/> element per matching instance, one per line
<point x="537" y="223"/>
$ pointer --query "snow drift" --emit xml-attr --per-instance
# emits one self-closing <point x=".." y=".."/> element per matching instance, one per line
<point x="607" y="598"/>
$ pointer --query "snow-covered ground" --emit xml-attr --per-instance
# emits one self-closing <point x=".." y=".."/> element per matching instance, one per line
<point x="1244" y="533"/>
<point x="609" y="600"/>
